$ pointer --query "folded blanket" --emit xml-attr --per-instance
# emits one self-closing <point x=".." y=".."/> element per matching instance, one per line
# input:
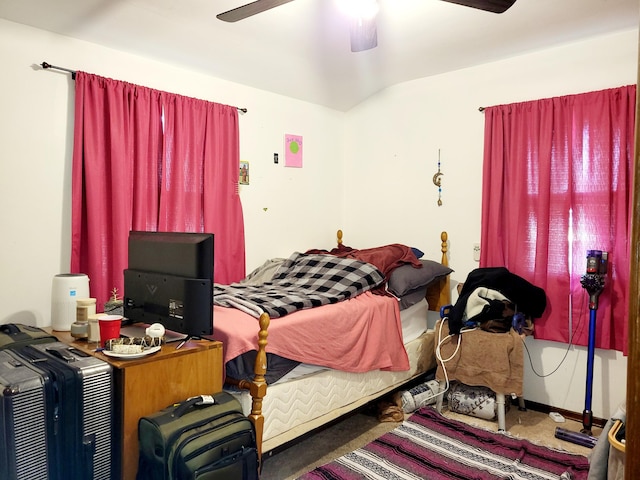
<point x="302" y="281"/>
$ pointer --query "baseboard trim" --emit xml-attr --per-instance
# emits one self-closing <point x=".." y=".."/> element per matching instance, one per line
<point x="541" y="407"/>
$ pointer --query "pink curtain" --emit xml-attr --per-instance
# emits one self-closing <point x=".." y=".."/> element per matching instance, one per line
<point x="199" y="190"/>
<point x="150" y="160"/>
<point x="557" y="182"/>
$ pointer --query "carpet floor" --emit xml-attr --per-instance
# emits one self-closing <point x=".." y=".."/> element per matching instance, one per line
<point x="357" y="430"/>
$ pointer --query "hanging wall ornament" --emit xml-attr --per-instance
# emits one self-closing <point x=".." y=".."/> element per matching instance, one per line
<point x="437" y="181"/>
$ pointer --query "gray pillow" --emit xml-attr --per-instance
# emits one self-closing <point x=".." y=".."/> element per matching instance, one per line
<point x="412" y="297"/>
<point x="406" y="277"/>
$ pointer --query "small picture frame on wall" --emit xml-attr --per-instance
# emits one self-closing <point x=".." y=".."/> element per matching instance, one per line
<point x="244" y="173"/>
<point x="293" y="150"/>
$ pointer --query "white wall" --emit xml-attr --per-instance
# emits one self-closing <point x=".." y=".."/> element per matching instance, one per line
<point x="285" y="209"/>
<point x="410" y="122"/>
<point x="384" y="151"/>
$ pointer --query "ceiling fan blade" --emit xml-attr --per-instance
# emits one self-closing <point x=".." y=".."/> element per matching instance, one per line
<point x="250" y="9"/>
<point x="495" y="6"/>
<point x="364" y="34"/>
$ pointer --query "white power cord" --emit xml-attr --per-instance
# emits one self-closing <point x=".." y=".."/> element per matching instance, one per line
<point x="443" y="361"/>
<point x="438" y="352"/>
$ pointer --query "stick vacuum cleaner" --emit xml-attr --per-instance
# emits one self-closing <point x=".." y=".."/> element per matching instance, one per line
<point x="593" y="283"/>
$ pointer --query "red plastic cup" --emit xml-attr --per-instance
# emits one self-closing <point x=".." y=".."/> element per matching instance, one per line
<point x="109" y="327"/>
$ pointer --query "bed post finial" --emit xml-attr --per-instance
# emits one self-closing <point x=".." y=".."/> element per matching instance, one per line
<point x="444" y="248"/>
<point x="339" y="235"/>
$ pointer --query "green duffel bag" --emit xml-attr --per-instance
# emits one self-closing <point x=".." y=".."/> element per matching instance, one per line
<point x="16" y="335"/>
<point x="205" y="438"/>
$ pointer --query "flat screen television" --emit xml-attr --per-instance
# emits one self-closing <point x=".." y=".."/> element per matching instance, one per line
<point x="169" y="280"/>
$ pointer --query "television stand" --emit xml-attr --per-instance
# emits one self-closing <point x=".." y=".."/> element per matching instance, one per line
<point x="193" y="337"/>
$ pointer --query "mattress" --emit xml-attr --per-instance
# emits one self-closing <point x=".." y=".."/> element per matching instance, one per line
<point x="300" y="405"/>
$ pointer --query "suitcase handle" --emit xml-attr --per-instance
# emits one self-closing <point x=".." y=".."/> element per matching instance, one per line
<point x="61" y="353"/>
<point x="183" y="407"/>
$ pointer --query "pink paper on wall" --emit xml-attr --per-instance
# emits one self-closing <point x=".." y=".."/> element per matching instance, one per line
<point x="293" y="150"/>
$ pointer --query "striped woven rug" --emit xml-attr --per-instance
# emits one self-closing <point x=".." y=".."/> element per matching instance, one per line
<point x="430" y="446"/>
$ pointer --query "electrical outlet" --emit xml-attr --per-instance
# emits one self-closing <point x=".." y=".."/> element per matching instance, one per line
<point x="476" y="252"/>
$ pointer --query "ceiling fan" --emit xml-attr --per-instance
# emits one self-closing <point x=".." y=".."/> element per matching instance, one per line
<point x="364" y="34"/>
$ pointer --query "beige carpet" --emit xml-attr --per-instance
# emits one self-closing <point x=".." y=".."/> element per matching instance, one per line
<point x="357" y="430"/>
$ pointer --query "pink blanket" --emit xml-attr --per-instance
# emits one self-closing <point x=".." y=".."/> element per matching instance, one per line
<point x="356" y="335"/>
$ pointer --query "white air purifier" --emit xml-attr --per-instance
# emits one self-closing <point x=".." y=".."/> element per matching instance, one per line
<point x="66" y="290"/>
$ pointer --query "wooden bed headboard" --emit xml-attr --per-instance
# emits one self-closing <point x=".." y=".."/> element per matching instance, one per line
<point x="439" y="293"/>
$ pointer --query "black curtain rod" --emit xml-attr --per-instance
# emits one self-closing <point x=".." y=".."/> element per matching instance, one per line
<point x="481" y="109"/>
<point x="46" y="65"/>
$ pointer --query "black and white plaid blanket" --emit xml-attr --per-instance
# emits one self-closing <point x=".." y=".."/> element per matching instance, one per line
<point x="302" y="281"/>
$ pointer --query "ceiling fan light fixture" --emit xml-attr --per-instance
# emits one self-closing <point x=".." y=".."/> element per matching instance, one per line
<point x="364" y="34"/>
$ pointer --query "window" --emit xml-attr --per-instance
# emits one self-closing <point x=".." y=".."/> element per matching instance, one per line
<point x="557" y="182"/>
<point x="150" y="160"/>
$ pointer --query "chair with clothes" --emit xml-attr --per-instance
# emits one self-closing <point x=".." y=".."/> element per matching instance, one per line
<point x="480" y="338"/>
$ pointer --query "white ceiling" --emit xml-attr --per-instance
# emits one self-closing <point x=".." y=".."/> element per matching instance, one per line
<point x="301" y="49"/>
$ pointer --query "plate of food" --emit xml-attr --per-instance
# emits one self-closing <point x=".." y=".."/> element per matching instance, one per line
<point x="131" y="353"/>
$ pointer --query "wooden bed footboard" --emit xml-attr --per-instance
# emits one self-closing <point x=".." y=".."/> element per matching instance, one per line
<point x="438" y="295"/>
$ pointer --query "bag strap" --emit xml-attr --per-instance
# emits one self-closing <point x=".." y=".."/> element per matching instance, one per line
<point x="9" y="329"/>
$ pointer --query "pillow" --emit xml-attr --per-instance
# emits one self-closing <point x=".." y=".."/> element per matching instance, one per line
<point x="412" y="297"/>
<point x="405" y="278"/>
